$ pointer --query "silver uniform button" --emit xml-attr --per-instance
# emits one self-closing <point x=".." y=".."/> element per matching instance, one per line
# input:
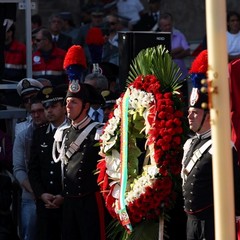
<point x="51" y="172"/>
<point x="51" y="182"/>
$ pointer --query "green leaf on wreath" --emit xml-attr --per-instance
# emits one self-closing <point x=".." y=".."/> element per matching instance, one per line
<point x="156" y="61"/>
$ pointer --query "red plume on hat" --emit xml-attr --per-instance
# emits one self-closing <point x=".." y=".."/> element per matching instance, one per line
<point x="95" y="41"/>
<point x="198" y="72"/>
<point x="75" y="55"/>
<point x="75" y="62"/>
<point x="199" y="68"/>
<point x="200" y="64"/>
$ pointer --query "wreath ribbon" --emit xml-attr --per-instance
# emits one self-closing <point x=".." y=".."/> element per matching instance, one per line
<point x="123" y="215"/>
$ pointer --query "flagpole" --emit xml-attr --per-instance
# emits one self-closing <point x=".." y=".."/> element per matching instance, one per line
<point x="220" y="119"/>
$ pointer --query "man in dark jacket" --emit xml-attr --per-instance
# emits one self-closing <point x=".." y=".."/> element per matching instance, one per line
<point x="8" y="228"/>
<point x="197" y="161"/>
<point x="83" y="209"/>
<point x="44" y="174"/>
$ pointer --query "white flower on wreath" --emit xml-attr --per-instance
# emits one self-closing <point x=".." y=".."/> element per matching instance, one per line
<point x="139" y="101"/>
<point x="113" y="165"/>
<point x="139" y="185"/>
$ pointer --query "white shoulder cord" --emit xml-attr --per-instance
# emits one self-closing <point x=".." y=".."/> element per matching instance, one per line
<point x="58" y="150"/>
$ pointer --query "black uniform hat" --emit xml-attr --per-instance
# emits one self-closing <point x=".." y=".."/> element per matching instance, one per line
<point x="50" y="95"/>
<point x="85" y="92"/>
<point x="198" y="72"/>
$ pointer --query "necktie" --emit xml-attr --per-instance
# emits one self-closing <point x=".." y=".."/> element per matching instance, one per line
<point x="95" y="115"/>
<point x="54" y="39"/>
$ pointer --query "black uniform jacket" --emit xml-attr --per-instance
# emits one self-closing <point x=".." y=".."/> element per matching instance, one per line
<point x="79" y="177"/>
<point x="198" y="186"/>
<point x="44" y="173"/>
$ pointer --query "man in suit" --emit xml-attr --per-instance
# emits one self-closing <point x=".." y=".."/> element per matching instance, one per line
<point x="149" y="20"/>
<point x="100" y="83"/>
<point x="55" y="26"/>
<point x="44" y="174"/>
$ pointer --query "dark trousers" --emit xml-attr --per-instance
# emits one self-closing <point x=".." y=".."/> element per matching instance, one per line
<point x="49" y="222"/>
<point x="200" y="228"/>
<point x="8" y="230"/>
<point x="84" y="218"/>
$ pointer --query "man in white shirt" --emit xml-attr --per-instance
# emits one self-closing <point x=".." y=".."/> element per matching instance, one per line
<point x="130" y="8"/>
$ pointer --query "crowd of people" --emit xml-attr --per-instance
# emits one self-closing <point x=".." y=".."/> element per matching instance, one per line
<point x="52" y="156"/>
<point x="51" y="41"/>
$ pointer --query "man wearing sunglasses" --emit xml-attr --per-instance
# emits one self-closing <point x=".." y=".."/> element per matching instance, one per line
<point x="48" y="59"/>
<point x="27" y="88"/>
<point x="21" y="155"/>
